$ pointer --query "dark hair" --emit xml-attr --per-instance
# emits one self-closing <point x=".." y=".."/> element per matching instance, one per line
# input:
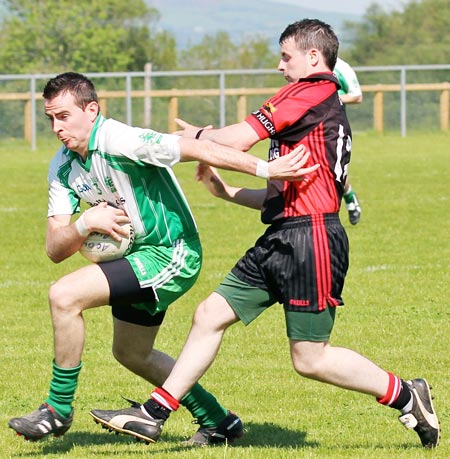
<point x="78" y="85"/>
<point x="313" y="33"/>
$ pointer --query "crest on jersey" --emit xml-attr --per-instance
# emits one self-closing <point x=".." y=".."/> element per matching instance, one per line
<point x="269" y="107"/>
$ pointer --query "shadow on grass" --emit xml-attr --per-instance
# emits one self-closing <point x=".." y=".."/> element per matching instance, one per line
<point x="256" y="435"/>
<point x="271" y="435"/>
<point x="64" y="445"/>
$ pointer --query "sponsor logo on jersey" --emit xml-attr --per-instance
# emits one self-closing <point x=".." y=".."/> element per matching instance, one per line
<point x="110" y="184"/>
<point x="265" y="121"/>
<point x="83" y="187"/>
<point x="150" y="136"/>
<point x="274" y="150"/>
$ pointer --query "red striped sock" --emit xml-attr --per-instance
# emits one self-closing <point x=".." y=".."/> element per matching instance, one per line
<point x="394" y="388"/>
<point x="163" y="397"/>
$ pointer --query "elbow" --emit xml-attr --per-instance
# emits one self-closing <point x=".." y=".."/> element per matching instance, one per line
<point x="54" y="256"/>
<point x="242" y="145"/>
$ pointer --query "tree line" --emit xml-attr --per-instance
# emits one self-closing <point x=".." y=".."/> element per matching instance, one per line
<point x="45" y="36"/>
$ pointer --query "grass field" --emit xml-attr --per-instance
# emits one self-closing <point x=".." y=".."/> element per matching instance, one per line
<point x="396" y="313"/>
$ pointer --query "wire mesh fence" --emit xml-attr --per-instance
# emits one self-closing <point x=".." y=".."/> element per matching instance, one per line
<point x="412" y="98"/>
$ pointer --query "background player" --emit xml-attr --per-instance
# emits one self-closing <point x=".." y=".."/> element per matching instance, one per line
<point x="349" y="93"/>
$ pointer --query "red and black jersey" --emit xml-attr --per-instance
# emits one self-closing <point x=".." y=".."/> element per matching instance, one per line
<point x="308" y="112"/>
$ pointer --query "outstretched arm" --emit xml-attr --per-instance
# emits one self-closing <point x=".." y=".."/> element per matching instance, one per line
<point x="289" y="167"/>
<point x="240" y="135"/>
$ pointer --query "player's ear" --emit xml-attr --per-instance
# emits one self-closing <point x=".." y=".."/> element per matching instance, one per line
<point x="92" y="109"/>
<point x="313" y="56"/>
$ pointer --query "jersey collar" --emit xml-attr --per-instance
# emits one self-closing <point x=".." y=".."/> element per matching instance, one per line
<point x="321" y="76"/>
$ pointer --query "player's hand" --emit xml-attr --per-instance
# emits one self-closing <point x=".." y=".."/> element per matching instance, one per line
<point x="290" y="167"/>
<point x="213" y="182"/>
<point x="188" y="130"/>
<point x="107" y="220"/>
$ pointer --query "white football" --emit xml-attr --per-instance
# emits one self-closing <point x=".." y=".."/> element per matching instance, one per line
<point x="100" y="247"/>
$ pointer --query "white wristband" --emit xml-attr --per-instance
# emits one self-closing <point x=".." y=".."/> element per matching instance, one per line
<point x="262" y="169"/>
<point x="81" y="226"/>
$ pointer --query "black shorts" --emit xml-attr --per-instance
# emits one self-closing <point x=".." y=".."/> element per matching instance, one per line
<point x="126" y="291"/>
<point x="302" y="262"/>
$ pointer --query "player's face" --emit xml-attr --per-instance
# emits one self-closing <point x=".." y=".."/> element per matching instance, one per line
<point x="71" y="124"/>
<point x="293" y="62"/>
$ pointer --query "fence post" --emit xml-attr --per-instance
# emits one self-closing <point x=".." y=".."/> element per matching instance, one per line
<point x="103" y="106"/>
<point x="129" y="100"/>
<point x="445" y="109"/>
<point x="403" y="102"/>
<point x="173" y="113"/>
<point x="378" y="112"/>
<point x="147" y="99"/>
<point x="32" y="116"/>
<point x="241" y="108"/>
<point x="27" y="121"/>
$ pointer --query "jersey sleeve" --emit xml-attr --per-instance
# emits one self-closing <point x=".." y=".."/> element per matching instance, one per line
<point x="290" y="104"/>
<point x="138" y="144"/>
<point x="62" y="200"/>
<point x="347" y="79"/>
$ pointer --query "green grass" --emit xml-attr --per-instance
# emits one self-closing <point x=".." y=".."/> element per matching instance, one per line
<point x="396" y="313"/>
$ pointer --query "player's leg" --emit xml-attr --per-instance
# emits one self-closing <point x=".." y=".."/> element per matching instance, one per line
<point x="135" y="332"/>
<point x="349" y="370"/>
<point x="351" y="203"/>
<point x="133" y="348"/>
<point x="68" y="297"/>
<point x="233" y="300"/>
<point x="338" y="366"/>
<point x="212" y="317"/>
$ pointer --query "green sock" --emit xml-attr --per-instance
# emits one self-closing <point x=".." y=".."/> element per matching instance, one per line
<point x="204" y="406"/>
<point x="348" y="197"/>
<point x="62" y="389"/>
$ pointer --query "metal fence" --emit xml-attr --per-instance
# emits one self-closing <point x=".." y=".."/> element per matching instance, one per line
<point x="412" y="98"/>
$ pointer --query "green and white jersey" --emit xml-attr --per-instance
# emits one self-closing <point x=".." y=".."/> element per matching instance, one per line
<point x="347" y="79"/>
<point x="130" y="168"/>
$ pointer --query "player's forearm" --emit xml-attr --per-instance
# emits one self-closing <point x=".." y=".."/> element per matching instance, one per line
<point x="62" y="242"/>
<point x="246" y="197"/>
<point x="351" y="99"/>
<point x="220" y="156"/>
<point x="239" y="136"/>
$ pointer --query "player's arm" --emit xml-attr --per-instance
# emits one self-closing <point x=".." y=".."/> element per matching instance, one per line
<point x="64" y="238"/>
<point x="351" y="98"/>
<point x="353" y="93"/>
<point x="219" y="188"/>
<point x="289" y="167"/>
<point x="240" y="136"/>
<point x="165" y="150"/>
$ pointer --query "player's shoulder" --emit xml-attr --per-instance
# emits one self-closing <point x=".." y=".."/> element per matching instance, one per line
<point x="60" y="157"/>
<point x="340" y="63"/>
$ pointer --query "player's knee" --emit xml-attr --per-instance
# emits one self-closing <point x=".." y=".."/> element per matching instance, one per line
<point x="121" y="355"/>
<point x="130" y="360"/>
<point x="214" y="314"/>
<point x="59" y="298"/>
<point x="308" y="368"/>
<point x="305" y="370"/>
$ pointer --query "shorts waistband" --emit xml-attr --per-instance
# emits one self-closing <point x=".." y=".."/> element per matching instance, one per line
<point x="307" y="220"/>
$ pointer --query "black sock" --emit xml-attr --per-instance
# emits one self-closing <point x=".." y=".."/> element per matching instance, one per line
<point x="403" y="398"/>
<point x="155" y="410"/>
